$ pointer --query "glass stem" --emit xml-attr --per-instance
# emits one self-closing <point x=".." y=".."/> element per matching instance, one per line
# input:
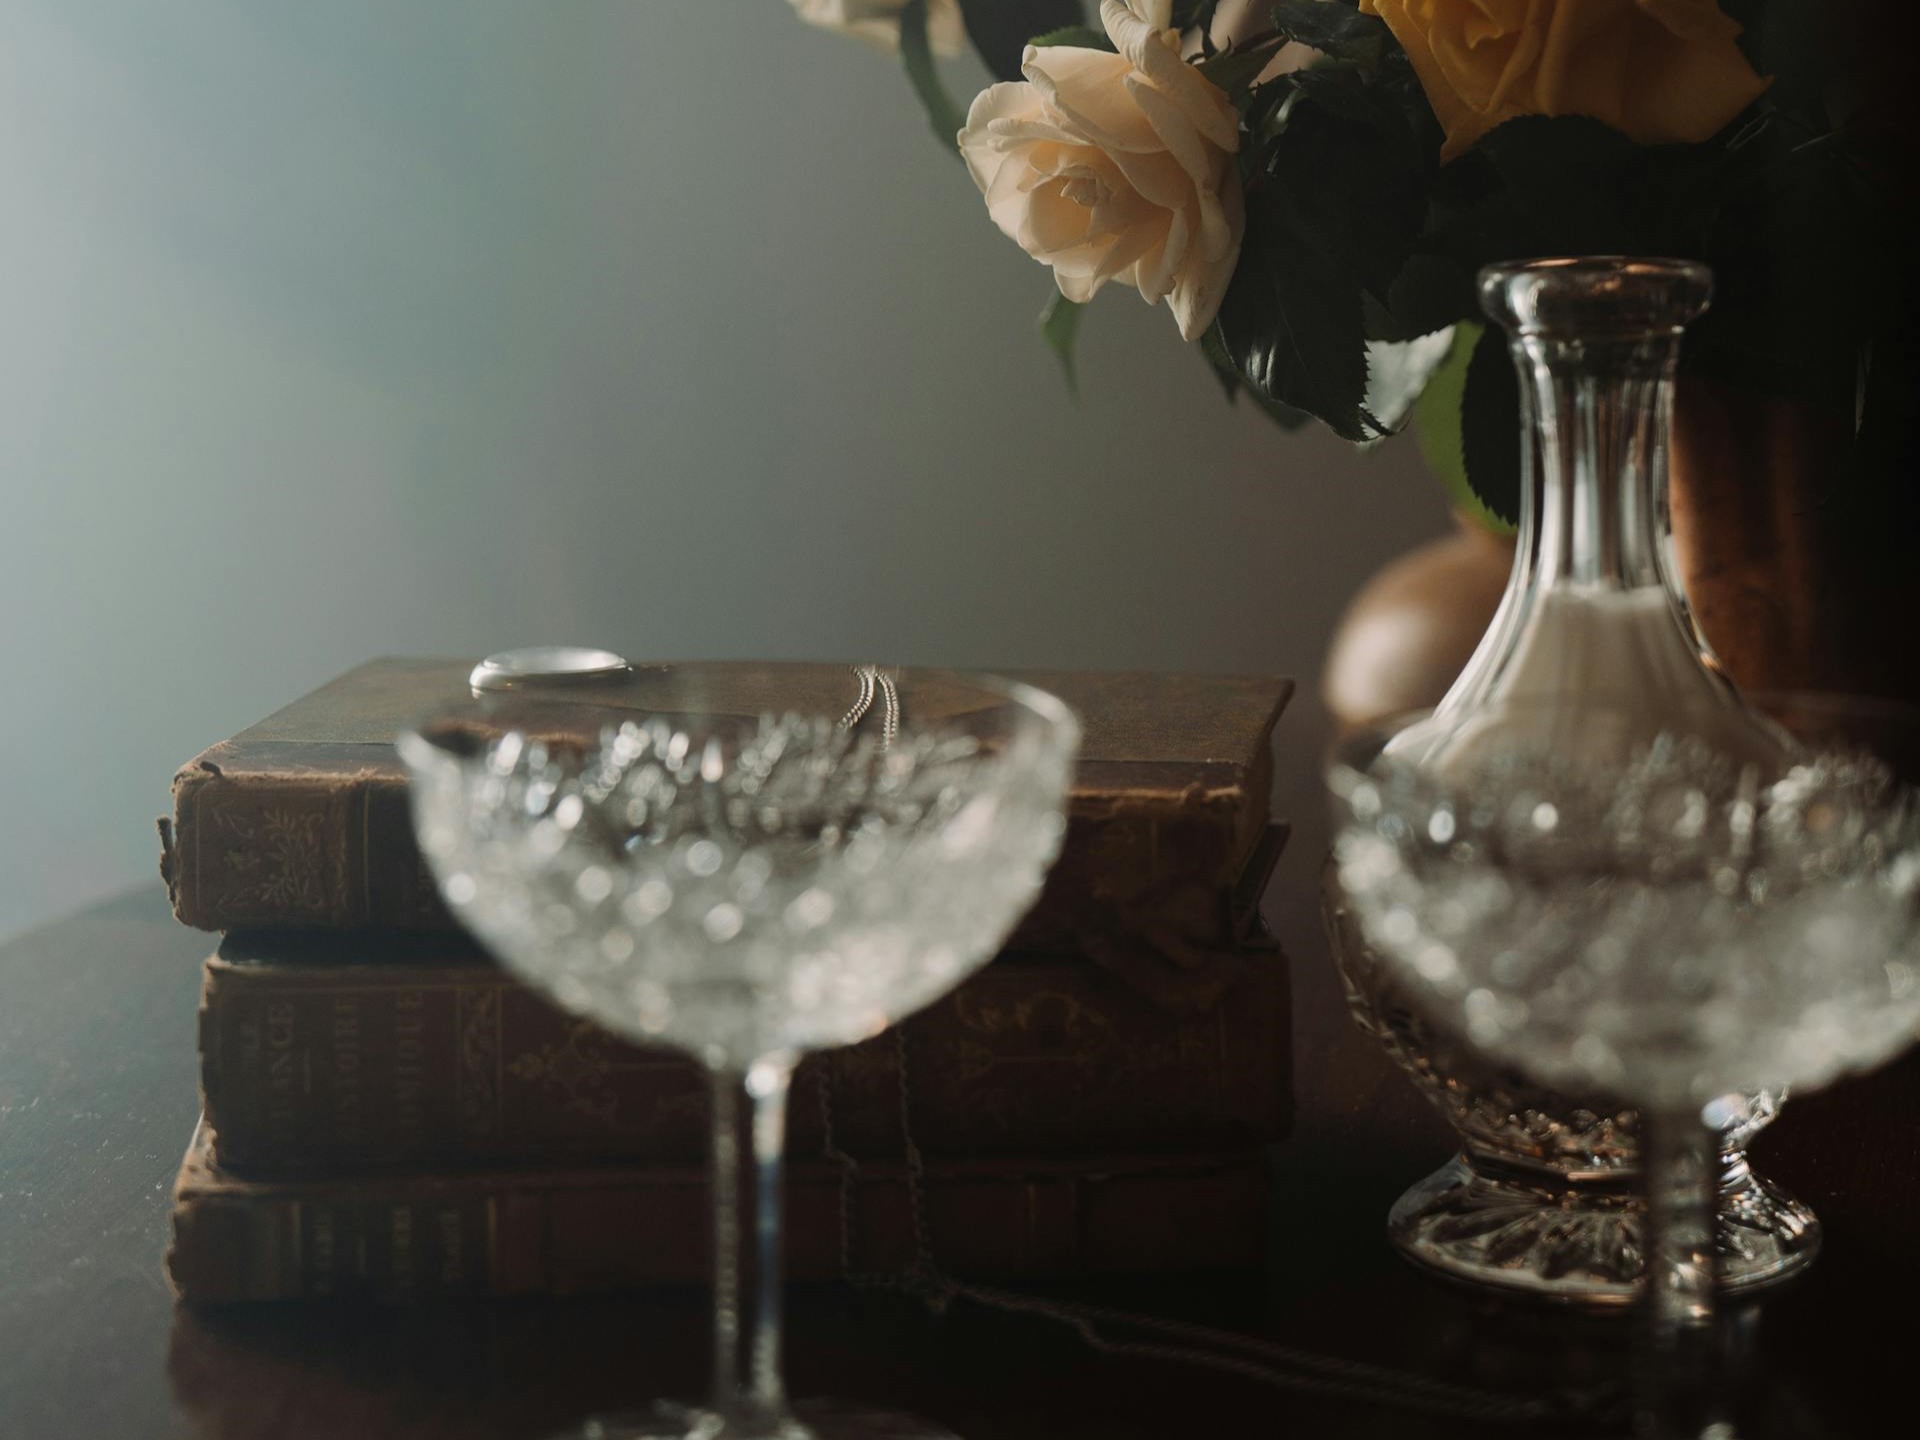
<point x="726" y="1238"/>
<point x="768" y="1083"/>
<point x="1679" y="1373"/>
<point x="736" y="1315"/>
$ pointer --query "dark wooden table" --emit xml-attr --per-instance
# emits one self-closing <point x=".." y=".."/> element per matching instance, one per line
<point x="97" y="1098"/>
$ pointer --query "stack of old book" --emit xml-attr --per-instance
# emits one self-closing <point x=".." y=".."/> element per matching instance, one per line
<point x="387" y="1113"/>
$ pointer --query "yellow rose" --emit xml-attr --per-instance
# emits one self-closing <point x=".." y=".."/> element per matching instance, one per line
<point x="1657" y="70"/>
<point x="878" y="21"/>
<point x="1116" y="166"/>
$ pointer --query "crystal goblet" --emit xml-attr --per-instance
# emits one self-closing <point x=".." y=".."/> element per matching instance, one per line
<point x="1616" y="901"/>
<point x="727" y="860"/>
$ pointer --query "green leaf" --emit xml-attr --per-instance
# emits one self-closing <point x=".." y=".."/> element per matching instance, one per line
<point x="1233" y="386"/>
<point x="1235" y="70"/>
<point x="1337" y="189"/>
<point x="1291" y="320"/>
<point x="1187" y="14"/>
<point x="1060" y="327"/>
<point x="1359" y="166"/>
<point x="1490" y="426"/>
<point x="916" y="55"/>
<point x="1080" y="37"/>
<point x="1430" y="293"/>
<point x="1437" y="430"/>
<point x="1001" y="29"/>
<point x="1556" y="185"/>
<point x="1398" y="372"/>
<point x="1537" y="152"/>
<point x="1337" y="31"/>
<point x="1215" y="351"/>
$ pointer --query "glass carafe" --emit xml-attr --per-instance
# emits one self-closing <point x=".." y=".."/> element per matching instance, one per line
<point x="1543" y="1197"/>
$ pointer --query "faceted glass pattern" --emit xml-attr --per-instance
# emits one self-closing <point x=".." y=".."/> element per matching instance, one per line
<point x="746" y="887"/>
<point x="1654" y="916"/>
<point x="738" y="888"/>
<point x="1669" y="928"/>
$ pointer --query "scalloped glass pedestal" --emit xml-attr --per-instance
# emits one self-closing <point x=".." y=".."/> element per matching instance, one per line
<point x="1648" y="907"/>
<point x="1544" y="1197"/>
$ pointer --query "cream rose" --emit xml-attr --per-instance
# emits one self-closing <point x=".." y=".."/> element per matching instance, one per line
<point x="1116" y="167"/>
<point x="878" y="21"/>
<point x="1657" y="70"/>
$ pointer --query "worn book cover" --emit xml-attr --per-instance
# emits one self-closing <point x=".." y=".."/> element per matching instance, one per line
<point x="302" y="819"/>
<point x="323" y="1051"/>
<point x="568" y="1232"/>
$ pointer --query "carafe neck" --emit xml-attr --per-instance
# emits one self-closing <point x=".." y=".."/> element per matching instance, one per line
<point x="1595" y="423"/>
<point x="1593" y="610"/>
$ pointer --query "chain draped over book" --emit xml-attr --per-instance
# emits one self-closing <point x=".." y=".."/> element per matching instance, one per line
<point x="872" y="678"/>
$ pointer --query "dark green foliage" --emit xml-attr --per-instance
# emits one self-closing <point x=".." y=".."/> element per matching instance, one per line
<point x="1060" y="327"/>
<point x="1083" y="37"/>
<point x="1801" y="232"/>
<point x="1235" y="70"/>
<point x="1490" y="426"/>
<point x="1437" y="427"/>
<point x="1187" y="14"/>
<point x="1291" y="320"/>
<point x="1215" y="351"/>
<point x="1565" y="185"/>
<point x="1398" y="374"/>
<point x="1339" y="32"/>
<point x="1356" y="232"/>
<point x="1431" y="292"/>
<point x="1350" y="142"/>
<point x="916" y="56"/>
<point x="1335" y="195"/>
<point x="1001" y="29"/>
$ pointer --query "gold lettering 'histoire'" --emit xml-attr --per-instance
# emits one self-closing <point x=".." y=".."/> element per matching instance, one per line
<point x="409" y="1062"/>
<point x="349" y="1108"/>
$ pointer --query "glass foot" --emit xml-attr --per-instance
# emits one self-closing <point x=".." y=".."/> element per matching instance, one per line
<point x="1581" y="1244"/>
<point x="809" y="1420"/>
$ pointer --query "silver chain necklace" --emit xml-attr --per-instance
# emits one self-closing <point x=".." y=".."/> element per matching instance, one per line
<point x="883" y="681"/>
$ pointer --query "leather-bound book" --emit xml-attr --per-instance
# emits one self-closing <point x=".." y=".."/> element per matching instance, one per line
<point x="323" y="1053"/>
<point x="302" y="819"/>
<point x="411" y="1237"/>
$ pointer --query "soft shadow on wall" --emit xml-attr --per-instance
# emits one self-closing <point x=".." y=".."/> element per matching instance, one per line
<point x="357" y="329"/>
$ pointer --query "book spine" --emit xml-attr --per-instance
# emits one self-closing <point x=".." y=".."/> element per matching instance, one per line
<point x="277" y="851"/>
<point x="412" y="1240"/>
<point x="311" y="1066"/>
<point x="257" y="850"/>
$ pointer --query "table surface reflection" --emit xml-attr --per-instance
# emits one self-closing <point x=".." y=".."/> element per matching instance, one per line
<point x="97" y="1098"/>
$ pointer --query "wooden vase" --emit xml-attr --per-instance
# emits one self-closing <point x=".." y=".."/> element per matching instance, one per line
<point x="1409" y="630"/>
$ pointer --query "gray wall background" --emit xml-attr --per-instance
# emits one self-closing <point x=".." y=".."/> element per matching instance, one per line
<point x="439" y="326"/>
